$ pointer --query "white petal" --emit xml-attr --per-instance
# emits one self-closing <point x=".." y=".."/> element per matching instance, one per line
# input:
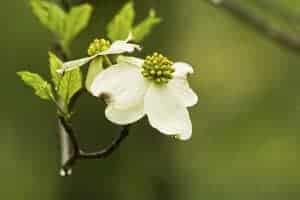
<point x="182" y="90"/>
<point x="121" y="85"/>
<point x="182" y="69"/>
<point x="125" y="116"/>
<point x="119" y="47"/>
<point x="73" y="64"/>
<point x="166" y="113"/>
<point x="130" y="60"/>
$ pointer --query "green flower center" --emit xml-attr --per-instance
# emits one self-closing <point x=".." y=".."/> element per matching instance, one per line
<point x="97" y="46"/>
<point x="158" y="69"/>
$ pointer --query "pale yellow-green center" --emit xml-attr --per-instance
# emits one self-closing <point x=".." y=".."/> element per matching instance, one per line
<point x="97" y="46"/>
<point x="158" y="69"/>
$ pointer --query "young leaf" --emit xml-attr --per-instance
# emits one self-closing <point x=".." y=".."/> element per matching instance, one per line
<point x="121" y="24"/>
<point x="55" y="64"/>
<point x="145" y="27"/>
<point x="96" y="66"/>
<point x="41" y="87"/>
<point x="70" y="83"/>
<point x="66" y="26"/>
<point x="50" y="15"/>
<point x="77" y="19"/>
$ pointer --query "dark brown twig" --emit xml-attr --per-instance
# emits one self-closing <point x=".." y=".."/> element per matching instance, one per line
<point x="109" y="149"/>
<point x="78" y="154"/>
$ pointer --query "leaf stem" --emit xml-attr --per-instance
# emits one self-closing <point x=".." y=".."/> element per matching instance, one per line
<point x="59" y="109"/>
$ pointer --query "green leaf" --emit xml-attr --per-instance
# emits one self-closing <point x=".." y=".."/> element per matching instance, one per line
<point x="55" y="64"/>
<point x="66" y="26"/>
<point x="145" y="27"/>
<point x="96" y="66"/>
<point x="50" y="15"/>
<point x="70" y="83"/>
<point x="41" y="87"/>
<point x="67" y="84"/>
<point x="77" y="19"/>
<point x="121" y="24"/>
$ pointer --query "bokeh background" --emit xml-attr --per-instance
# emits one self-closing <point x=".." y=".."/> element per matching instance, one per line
<point x="245" y="141"/>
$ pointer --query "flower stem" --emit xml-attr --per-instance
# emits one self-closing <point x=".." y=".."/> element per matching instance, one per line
<point x="109" y="149"/>
<point x="67" y="144"/>
<point x="107" y="60"/>
<point x="81" y="155"/>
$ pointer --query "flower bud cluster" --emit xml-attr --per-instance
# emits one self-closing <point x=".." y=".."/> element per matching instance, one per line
<point x="97" y="46"/>
<point x="158" y="69"/>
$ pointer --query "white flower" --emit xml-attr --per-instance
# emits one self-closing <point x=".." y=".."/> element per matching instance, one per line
<point x="154" y="87"/>
<point x="101" y="47"/>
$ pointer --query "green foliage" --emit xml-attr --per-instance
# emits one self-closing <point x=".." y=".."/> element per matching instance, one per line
<point x="146" y="26"/>
<point x="122" y="24"/>
<point x="67" y="84"/>
<point x="55" y="63"/>
<point x="66" y="26"/>
<point x="50" y="15"/>
<point x="41" y="87"/>
<point x="96" y="66"/>
<point x="77" y="19"/>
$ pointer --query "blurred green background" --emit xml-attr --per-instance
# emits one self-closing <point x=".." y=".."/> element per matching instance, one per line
<point x="246" y="125"/>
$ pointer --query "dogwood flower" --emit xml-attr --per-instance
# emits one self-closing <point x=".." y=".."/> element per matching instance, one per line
<point x="155" y="87"/>
<point x="101" y="47"/>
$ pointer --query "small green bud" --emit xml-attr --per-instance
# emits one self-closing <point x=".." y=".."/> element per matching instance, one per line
<point x="152" y="72"/>
<point x="158" y="80"/>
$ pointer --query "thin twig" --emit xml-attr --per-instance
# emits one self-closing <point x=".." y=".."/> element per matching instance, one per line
<point x="71" y="151"/>
<point x="67" y="144"/>
<point x="68" y="128"/>
<point x="277" y="8"/>
<point x="109" y="149"/>
<point x="81" y="155"/>
<point x="281" y="37"/>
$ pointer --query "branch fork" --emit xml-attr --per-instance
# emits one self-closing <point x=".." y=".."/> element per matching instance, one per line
<point x="71" y="151"/>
